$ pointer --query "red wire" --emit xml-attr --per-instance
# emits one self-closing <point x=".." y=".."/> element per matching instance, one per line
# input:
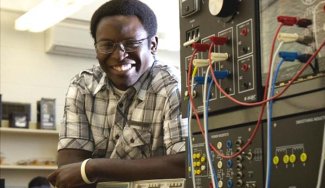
<point x="263" y="103"/>
<point x="275" y="96"/>
<point x="249" y="140"/>
<point x="263" y="108"/>
<point x="257" y="126"/>
<point x="190" y="94"/>
<point x="199" y="122"/>
<point x="266" y="82"/>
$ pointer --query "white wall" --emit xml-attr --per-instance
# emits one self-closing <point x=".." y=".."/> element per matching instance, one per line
<point x="27" y="73"/>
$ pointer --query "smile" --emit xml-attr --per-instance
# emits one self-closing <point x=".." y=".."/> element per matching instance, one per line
<point x="122" y="68"/>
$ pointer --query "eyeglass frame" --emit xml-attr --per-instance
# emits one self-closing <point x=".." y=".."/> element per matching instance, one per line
<point x="121" y="45"/>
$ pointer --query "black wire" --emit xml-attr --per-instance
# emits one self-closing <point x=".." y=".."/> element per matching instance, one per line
<point x="313" y="68"/>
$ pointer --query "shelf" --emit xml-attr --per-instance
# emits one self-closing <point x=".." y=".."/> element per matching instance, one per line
<point x="28" y="131"/>
<point x="27" y="167"/>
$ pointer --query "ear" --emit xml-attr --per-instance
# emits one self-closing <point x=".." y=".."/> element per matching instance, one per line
<point x="154" y="45"/>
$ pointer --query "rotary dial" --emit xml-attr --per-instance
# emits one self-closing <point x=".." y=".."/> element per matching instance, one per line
<point x="222" y="8"/>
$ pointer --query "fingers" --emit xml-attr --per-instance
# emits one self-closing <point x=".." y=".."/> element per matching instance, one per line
<point x="52" y="179"/>
<point x="64" y="178"/>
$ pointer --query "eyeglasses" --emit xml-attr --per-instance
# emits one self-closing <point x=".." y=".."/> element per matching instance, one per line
<point x="107" y="46"/>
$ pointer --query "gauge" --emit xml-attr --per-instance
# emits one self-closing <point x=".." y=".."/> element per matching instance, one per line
<point x="222" y="8"/>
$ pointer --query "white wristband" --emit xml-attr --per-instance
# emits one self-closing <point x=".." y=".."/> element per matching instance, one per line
<point x="83" y="172"/>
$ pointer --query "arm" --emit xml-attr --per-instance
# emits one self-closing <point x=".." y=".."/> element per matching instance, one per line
<point x="103" y="169"/>
<point x="67" y="156"/>
<point x="162" y="167"/>
<point x="69" y="163"/>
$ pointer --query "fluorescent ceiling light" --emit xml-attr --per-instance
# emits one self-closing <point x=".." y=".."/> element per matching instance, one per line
<point x="48" y="13"/>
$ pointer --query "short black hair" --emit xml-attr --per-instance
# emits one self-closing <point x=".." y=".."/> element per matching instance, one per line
<point x="127" y="8"/>
<point x="39" y="181"/>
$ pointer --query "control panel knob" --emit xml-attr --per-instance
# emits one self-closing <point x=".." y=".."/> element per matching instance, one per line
<point x="222" y="8"/>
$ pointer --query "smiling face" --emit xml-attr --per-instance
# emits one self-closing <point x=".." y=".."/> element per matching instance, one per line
<point x="122" y="68"/>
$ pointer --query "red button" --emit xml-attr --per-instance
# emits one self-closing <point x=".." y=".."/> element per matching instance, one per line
<point x="244" y="67"/>
<point x="244" y="31"/>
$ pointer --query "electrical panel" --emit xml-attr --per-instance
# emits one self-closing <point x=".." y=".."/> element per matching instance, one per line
<point x="252" y="47"/>
<point x="237" y="22"/>
<point x="244" y="170"/>
<point x="296" y="151"/>
<point x="297" y="145"/>
<point x="250" y="28"/>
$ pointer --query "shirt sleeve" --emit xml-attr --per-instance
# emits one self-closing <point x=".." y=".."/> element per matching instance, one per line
<point x="174" y="130"/>
<point x="75" y="131"/>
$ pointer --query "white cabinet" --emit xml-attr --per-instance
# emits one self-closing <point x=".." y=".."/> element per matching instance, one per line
<point x="26" y="145"/>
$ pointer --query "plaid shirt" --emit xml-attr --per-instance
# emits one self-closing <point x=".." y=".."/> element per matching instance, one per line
<point x="145" y="121"/>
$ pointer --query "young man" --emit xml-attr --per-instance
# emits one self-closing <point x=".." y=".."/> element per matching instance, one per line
<point x="125" y="113"/>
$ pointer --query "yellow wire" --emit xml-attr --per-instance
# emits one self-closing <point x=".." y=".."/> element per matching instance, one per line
<point x="194" y="71"/>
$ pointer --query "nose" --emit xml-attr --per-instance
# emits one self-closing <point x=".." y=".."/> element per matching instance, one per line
<point x="120" y="46"/>
<point x="119" y="51"/>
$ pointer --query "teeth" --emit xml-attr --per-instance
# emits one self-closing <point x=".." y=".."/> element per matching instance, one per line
<point x="122" y="67"/>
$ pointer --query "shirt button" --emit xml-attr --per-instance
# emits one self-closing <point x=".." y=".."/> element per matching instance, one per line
<point x="132" y="140"/>
<point x="117" y="137"/>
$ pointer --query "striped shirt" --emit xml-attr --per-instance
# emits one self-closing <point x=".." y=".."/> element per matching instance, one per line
<point x="144" y="122"/>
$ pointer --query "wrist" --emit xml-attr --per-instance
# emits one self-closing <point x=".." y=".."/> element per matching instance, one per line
<point x="86" y="171"/>
<point x="91" y="170"/>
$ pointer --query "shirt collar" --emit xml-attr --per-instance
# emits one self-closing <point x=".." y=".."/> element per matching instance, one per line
<point x="101" y="84"/>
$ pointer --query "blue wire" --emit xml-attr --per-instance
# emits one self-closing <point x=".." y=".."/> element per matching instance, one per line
<point x="206" y="130"/>
<point x="189" y="146"/>
<point x="269" y="128"/>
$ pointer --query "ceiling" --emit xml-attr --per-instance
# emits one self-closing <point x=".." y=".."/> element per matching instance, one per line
<point x="166" y="10"/>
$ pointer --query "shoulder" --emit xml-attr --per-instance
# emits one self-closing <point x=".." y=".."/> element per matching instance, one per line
<point x="89" y="79"/>
<point x="164" y="78"/>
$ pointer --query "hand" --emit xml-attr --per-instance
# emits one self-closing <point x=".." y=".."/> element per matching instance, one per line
<point x="67" y="176"/>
